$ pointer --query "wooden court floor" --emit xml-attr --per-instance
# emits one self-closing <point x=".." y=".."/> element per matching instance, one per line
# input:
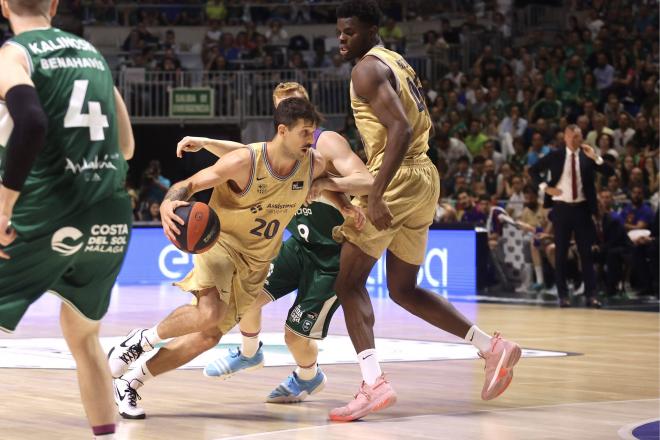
<point x="610" y="381"/>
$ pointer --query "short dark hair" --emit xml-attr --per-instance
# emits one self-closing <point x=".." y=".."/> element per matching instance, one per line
<point x="29" y="7"/>
<point x="293" y="109"/>
<point x="478" y="160"/>
<point x="367" y="11"/>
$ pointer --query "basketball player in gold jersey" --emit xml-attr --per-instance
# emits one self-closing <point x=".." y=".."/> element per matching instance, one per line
<point x="308" y="262"/>
<point x="256" y="192"/>
<point x="391" y="116"/>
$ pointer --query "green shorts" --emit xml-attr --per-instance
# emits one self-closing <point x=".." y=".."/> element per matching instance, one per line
<point x="311" y="270"/>
<point x="78" y="261"/>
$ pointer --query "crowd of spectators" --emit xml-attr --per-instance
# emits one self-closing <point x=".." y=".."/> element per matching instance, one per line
<point x="494" y="121"/>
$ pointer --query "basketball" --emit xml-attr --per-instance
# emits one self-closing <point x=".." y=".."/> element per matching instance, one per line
<point x="200" y="229"/>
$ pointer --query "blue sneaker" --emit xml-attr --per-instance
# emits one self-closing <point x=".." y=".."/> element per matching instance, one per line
<point x="294" y="389"/>
<point x="225" y="367"/>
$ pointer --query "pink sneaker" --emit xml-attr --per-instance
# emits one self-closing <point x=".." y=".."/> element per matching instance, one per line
<point x="369" y="399"/>
<point x="500" y="359"/>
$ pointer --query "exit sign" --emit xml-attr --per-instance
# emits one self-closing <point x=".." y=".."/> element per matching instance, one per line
<point x="191" y="103"/>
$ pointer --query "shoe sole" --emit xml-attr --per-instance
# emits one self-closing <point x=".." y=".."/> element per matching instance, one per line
<point x="230" y="375"/>
<point x="300" y="397"/>
<point x="505" y="375"/>
<point x="383" y="404"/>
<point x="130" y="417"/>
<point x="129" y="336"/>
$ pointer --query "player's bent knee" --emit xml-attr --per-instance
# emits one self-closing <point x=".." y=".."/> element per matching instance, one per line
<point x="290" y="338"/>
<point x="210" y="339"/>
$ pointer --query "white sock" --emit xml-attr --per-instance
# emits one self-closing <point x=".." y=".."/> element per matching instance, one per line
<point x="306" y="373"/>
<point x="138" y="376"/>
<point x="150" y="338"/>
<point x="539" y="274"/>
<point x="369" y="365"/>
<point x="250" y="345"/>
<point x="478" y="338"/>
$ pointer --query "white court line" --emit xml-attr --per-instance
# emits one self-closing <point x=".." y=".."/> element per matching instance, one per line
<point x="330" y="425"/>
<point x="626" y="432"/>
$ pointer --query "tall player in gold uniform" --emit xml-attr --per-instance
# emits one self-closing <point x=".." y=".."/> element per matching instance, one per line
<point x="393" y="121"/>
<point x="256" y="192"/>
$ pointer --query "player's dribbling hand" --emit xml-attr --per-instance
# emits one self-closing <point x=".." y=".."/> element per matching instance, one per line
<point x="189" y="144"/>
<point x="378" y="213"/>
<point x="170" y="219"/>
<point x="357" y="213"/>
<point x="7" y="234"/>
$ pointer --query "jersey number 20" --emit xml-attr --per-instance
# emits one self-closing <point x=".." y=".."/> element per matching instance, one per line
<point x="95" y="119"/>
<point x="265" y="229"/>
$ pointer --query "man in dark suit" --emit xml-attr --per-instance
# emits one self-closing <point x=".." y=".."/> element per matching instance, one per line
<point x="570" y="191"/>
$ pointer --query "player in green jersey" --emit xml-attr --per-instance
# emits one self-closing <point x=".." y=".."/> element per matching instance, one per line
<point x="65" y="216"/>
<point x="308" y="261"/>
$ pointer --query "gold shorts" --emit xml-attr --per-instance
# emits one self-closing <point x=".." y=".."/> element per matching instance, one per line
<point x="238" y="281"/>
<point x="412" y="197"/>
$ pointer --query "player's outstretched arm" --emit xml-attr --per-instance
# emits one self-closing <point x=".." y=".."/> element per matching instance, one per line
<point x="219" y="147"/>
<point x="371" y="82"/>
<point x="354" y="177"/>
<point x="235" y="166"/>
<point x="126" y="139"/>
<point x="27" y="137"/>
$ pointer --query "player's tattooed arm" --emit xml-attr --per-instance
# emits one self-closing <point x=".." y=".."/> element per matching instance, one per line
<point x="219" y="147"/>
<point x="235" y="166"/>
<point x="179" y="191"/>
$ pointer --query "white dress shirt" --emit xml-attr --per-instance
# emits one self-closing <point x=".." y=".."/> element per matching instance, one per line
<point x="565" y="183"/>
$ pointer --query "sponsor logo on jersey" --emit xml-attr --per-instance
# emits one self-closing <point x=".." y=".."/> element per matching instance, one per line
<point x="64" y="241"/>
<point x="256" y="208"/>
<point x="94" y="164"/>
<point x="262" y="188"/>
<point x="296" y="314"/>
<point x="304" y="211"/>
<point x="110" y="239"/>
<point x="297" y="185"/>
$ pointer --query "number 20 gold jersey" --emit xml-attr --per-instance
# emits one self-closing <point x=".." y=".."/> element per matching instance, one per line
<point x="252" y="222"/>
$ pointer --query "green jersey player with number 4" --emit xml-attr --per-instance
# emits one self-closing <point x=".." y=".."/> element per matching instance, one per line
<point x="65" y="216"/>
<point x="308" y="261"/>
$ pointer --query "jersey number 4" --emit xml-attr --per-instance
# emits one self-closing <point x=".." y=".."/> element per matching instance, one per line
<point x="95" y="119"/>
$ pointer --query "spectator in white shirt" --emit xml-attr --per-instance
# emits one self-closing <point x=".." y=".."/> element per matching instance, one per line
<point x="604" y="72"/>
<point x="513" y="124"/>
<point x="276" y="35"/>
<point x="516" y="202"/>
<point x="624" y="133"/>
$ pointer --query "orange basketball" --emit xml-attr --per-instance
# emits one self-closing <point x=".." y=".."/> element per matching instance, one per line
<point x="200" y="229"/>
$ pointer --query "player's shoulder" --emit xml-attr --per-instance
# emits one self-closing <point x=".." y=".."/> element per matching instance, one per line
<point x="10" y="52"/>
<point x="330" y="141"/>
<point x="239" y="157"/>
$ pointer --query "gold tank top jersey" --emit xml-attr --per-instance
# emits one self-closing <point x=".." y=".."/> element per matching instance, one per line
<point x="252" y="222"/>
<point x="409" y="90"/>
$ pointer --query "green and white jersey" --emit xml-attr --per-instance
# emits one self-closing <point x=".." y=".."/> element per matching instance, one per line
<point x="313" y="224"/>
<point x="80" y="163"/>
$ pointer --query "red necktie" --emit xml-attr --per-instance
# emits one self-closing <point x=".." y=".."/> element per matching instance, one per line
<point x="573" y="177"/>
